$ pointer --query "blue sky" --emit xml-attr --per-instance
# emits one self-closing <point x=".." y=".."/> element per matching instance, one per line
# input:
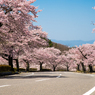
<point x="67" y="19"/>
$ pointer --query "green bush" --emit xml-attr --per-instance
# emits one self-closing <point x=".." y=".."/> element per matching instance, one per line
<point x="5" y="68"/>
<point x="46" y="70"/>
<point x="15" y="69"/>
<point x="32" y="69"/>
<point x="61" y="69"/>
<point x="21" y="69"/>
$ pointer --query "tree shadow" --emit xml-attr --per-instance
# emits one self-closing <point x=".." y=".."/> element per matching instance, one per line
<point x="31" y="77"/>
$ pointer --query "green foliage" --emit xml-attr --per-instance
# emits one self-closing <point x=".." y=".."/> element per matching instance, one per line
<point x="15" y="69"/>
<point x="50" y="43"/>
<point x="20" y="69"/>
<point x="32" y="69"/>
<point x="46" y="70"/>
<point x="5" y="68"/>
<point x="61" y="69"/>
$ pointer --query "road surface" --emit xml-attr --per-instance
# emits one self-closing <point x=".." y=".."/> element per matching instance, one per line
<point x="48" y="83"/>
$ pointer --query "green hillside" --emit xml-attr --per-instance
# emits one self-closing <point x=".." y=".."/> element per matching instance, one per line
<point x="58" y="46"/>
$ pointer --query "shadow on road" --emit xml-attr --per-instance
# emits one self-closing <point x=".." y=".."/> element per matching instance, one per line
<point x="30" y="77"/>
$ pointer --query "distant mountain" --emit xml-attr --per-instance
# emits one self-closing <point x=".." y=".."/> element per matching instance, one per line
<point x="73" y="43"/>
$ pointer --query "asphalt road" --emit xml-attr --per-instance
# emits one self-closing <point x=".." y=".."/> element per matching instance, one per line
<point x="48" y="83"/>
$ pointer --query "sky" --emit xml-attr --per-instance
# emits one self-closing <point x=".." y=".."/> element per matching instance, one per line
<point x="67" y="19"/>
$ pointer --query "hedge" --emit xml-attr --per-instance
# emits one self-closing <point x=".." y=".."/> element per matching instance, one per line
<point x="4" y="68"/>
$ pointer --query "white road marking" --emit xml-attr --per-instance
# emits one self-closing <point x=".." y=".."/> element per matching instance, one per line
<point x="32" y="73"/>
<point x="41" y="80"/>
<point x="90" y="91"/>
<point x="4" y="85"/>
<point x="59" y="76"/>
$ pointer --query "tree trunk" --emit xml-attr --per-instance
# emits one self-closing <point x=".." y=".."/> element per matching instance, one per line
<point x="90" y="68"/>
<point x="54" y="67"/>
<point x="41" y="63"/>
<point x="78" y="67"/>
<point x="27" y="68"/>
<point x="17" y="64"/>
<point x="10" y="60"/>
<point x="67" y="68"/>
<point x="83" y="67"/>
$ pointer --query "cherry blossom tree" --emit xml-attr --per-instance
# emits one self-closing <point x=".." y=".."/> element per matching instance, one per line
<point x="46" y="56"/>
<point x="37" y="39"/>
<point x="69" y="59"/>
<point x="86" y="52"/>
<point x="3" y="61"/>
<point x="75" y="57"/>
<point x="54" y="57"/>
<point x="40" y="56"/>
<point x="84" y="55"/>
<point x="16" y="19"/>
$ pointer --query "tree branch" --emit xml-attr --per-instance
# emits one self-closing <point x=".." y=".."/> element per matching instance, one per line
<point x="82" y="54"/>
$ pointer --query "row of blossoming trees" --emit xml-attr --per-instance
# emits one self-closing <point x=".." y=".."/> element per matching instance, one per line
<point x="18" y="35"/>
<point x="26" y="44"/>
